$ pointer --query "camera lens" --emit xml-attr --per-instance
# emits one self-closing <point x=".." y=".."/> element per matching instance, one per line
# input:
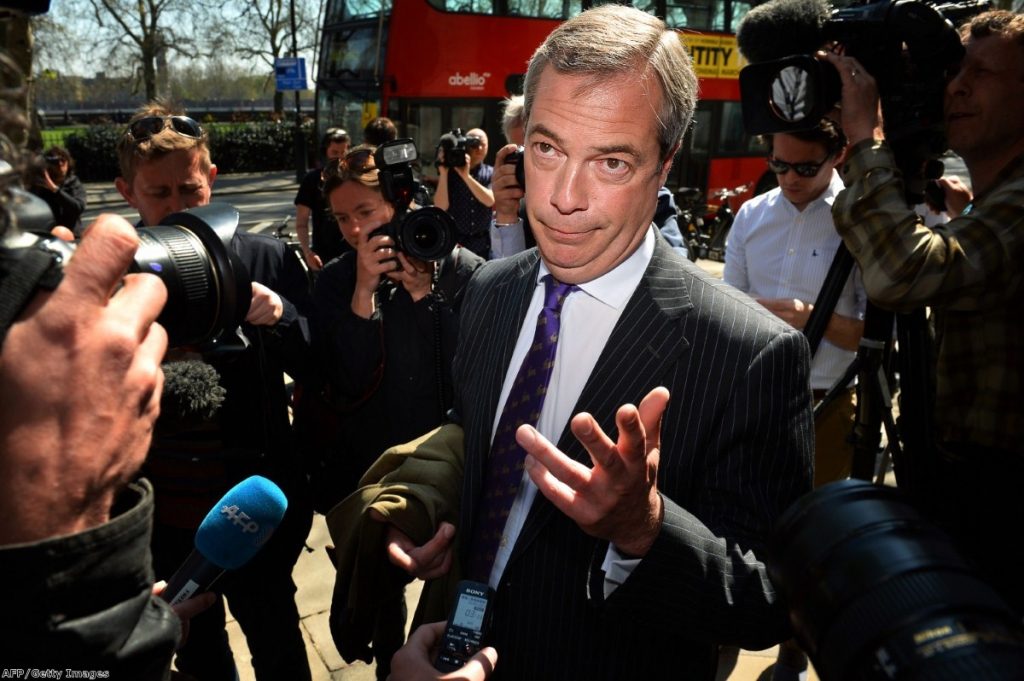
<point x="876" y="592"/>
<point x="427" y="234"/>
<point x="208" y="287"/>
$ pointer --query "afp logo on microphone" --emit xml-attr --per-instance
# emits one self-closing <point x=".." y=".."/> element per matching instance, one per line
<point x="240" y="519"/>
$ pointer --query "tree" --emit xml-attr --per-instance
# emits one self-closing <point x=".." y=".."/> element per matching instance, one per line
<point x="140" y="34"/>
<point x="260" y="31"/>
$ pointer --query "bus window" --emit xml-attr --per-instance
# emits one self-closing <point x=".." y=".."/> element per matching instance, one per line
<point x="467" y="117"/>
<point x="352" y="54"/>
<point x="700" y="140"/>
<point x="346" y="10"/>
<point x="544" y="9"/>
<point x="464" y="6"/>
<point x="423" y="125"/>
<point x="733" y="138"/>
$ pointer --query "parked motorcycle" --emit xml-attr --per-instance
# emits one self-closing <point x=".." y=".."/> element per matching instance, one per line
<point x="706" y="225"/>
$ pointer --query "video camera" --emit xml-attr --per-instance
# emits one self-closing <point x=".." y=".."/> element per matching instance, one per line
<point x="910" y="47"/>
<point x="427" y="233"/>
<point x="208" y="287"/>
<point x="453" y="150"/>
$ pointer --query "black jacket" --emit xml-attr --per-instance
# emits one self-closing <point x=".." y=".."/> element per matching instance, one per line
<point x="84" y="601"/>
<point x="389" y="376"/>
<point x="67" y="203"/>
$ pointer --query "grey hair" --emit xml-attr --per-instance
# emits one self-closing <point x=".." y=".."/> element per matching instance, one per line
<point x="512" y="115"/>
<point x="613" y="40"/>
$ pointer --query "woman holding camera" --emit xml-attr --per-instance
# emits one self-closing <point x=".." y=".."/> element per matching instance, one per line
<point x="387" y="327"/>
<point x="63" y="192"/>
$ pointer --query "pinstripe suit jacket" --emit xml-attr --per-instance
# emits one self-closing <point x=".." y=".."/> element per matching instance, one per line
<point x="736" y="451"/>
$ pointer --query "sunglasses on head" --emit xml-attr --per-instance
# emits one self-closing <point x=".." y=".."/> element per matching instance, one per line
<point x="802" y="169"/>
<point x="353" y="163"/>
<point x="144" y="128"/>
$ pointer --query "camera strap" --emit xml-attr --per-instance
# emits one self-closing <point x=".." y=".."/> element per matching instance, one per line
<point x="35" y="269"/>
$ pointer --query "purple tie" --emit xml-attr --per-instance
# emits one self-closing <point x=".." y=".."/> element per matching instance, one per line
<point x="505" y="464"/>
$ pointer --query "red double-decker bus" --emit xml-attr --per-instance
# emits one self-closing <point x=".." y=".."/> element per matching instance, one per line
<point x="434" y="65"/>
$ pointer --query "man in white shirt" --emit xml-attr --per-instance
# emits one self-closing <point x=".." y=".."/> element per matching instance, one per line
<point x="781" y="246"/>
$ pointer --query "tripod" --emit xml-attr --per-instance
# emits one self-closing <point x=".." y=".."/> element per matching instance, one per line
<point x="907" y="444"/>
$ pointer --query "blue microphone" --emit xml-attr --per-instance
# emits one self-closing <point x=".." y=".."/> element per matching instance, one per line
<point x="233" y="531"/>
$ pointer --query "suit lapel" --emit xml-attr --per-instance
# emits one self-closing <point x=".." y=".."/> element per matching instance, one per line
<point x="645" y="343"/>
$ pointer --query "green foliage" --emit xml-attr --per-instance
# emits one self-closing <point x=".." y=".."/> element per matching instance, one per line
<point x="253" y="147"/>
<point x="234" y="148"/>
<point x="95" y="152"/>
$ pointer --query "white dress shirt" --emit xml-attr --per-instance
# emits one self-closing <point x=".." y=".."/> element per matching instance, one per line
<point x="587" y="319"/>
<point x="777" y="251"/>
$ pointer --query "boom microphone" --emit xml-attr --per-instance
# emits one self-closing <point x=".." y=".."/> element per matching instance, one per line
<point x="781" y="28"/>
<point x="231" y="534"/>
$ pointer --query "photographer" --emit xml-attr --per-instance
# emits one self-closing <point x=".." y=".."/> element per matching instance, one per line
<point x="969" y="272"/>
<point x="464" y="189"/>
<point x="166" y="167"/>
<point x="322" y="243"/>
<point x="387" y="332"/>
<point x="63" y="192"/>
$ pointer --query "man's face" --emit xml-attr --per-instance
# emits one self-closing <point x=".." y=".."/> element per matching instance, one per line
<point x="336" y="150"/>
<point x="593" y="168"/>
<point x="985" y="101"/>
<point x="478" y="153"/>
<point x="167" y="185"/>
<point x="800" y="191"/>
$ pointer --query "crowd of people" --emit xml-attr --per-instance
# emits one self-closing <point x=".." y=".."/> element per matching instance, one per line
<point x="620" y="430"/>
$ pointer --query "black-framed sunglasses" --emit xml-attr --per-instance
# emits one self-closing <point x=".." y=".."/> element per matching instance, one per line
<point x="802" y="169"/>
<point x="144" y="128"/>
<point x="353" y="163"/>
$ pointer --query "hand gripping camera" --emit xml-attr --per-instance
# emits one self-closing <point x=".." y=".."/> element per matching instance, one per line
<point x="208" y="287"/>
<point x="426" y="233"/>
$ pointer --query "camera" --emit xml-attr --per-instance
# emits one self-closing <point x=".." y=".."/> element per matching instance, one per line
<point x="516" y="157"/>
<point x="910" y="48"/>
<point x="208" y="287"/>
<point x="876" y="592"/>
<point x="426" y="233"/>
<point x="453" y="150"/>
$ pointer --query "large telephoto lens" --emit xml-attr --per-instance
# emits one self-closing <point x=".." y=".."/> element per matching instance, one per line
<point x="208" y="287"/>
<point x="876" y="592"/>
<point x="427" y="233"/>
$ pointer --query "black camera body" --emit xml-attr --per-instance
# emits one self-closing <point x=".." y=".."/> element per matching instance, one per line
<point x="516" y="158"/>
<point x="208" y="286"/>
<point x="426" y="233"/>
<point x="910" y="47"/>
<point x="454" y="148"/>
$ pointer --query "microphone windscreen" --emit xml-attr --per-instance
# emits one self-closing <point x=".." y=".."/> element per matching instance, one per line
<point x="781" y="28"/>
<point x="241" y="522"/>
<point x="192" y="391"/>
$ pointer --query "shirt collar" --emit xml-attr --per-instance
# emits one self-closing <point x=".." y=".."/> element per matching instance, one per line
<point x="614" y="288"/>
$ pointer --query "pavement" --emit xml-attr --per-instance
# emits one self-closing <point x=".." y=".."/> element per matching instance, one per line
<point x="314" y="573"/>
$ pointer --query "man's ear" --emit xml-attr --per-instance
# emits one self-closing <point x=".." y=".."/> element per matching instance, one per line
<point x="213" y="174"/>
<point x="124" y="187"/>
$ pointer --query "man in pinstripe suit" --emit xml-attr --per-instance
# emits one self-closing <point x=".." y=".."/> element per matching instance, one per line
<point x="643" y="548"/>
